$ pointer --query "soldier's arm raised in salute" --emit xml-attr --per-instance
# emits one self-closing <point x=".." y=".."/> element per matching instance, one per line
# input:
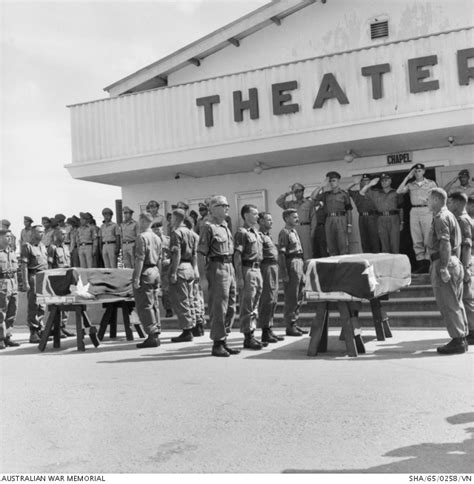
<point x="402" y="188"/>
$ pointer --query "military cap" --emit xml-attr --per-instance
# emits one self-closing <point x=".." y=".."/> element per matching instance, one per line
<point x="419" y="166"/>
<point x="182" y="205"/>
<point x="5" y="223"/>
<point x="152" y="202"/>
<point x="333" y="174"/>
<point x="127" y="209"/>
<point x="60" y="216"/>
<point x="107" y="210"/>
<point x="464" y="173"/>
<point x="85" y="215"/>
<point x="173" y="207"/>
<point x="202" y="206"/>
<point x="385" y="175"/>
<point x="29" y="219"/>
<point x="46" y="218"/>
<point x="297" y="186"/>
<point x="366" y="176"/>
<point x="179" y="212"/>
<point x="4" y="231"/>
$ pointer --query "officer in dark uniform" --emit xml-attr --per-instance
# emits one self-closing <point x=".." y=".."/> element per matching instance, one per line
<point x="338" y="208"/>
<point x="446" y="271"/>
<point x="217" y="246"/>
<point x="290" y="258"/>
<point x="369" y="237"/>
<point x="247" y="258"/>
<point x="34" y="258"/>
<point x="146" y="281"/>
<point x="8" y="291"/>
<point x="269" y="270"/>
<point x="181" y="274"/>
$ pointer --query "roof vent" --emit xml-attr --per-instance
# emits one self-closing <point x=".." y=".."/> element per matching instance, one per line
<point x="379" y="29"/>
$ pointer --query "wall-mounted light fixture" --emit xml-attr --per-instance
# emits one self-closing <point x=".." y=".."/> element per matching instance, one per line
<point x="349" y="156"/>
<point x="451" y="141"/>
<point x="259" y="167"/>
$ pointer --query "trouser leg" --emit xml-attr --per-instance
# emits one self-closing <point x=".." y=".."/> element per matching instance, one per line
<point x="108" y="254"/>
<point x="468" y="300"/>
<point x="304" y="232"/>
<point x="35" y="312"/>
<point x="293" y="290"/>
<point x="331" y="236"/>
<point x="319" y="242"/>
<point x="12" y="306"/>
<point x="250" y="298"/>
<point x="146" y="303"/>
<point x="426" y="220"/>
<point x="128" y="253"/>
<point x="384" y="234"/>
<point x="3" y="312"/>
<point x="394" y="234"/>
<point x="221" y="279"/>
<point x="181" y="294"/>
<point x="372" y="234"/>
<point x="269" y="298"/>
<point x="340" y="224"/>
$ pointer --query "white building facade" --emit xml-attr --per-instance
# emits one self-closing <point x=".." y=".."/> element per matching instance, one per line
<point x="287" y="93"/>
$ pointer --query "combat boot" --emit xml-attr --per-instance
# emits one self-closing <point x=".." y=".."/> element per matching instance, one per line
<point x="219" y="350"/>
<point x="292" y="331"/>
<point x="198" y="330"/>
<point x="456" y="346"/>
<point x="10" y="342"/>
<point x="68" y="334"/>
<point x="231" y="351"/>
<point x="251" y="343"/>
<point x="152" y="341"/>
<point x="268" y="336"/>
<point x="470" y="337"/>
<point x="34" y="336"/>
<point x="301" y="330"/>
<point x="184" y="337"/>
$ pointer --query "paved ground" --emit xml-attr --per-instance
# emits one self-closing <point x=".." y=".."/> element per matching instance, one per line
<point x="399" y="408"/>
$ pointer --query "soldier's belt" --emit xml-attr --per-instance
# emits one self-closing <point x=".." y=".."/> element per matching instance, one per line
<point x="188" y="261"/>
<point x="389" y="212"/>
<point x="295" y="255"/>
<point x="370" y="212"/>
<point x="125" y="242"/>
<point x="272" y="262"/>
<point x="7" y="275"/>
<point x="418" y="206"/>
<point x="226" y="259"/>
<point x="336" y="214"/>
<point x="249" y="263"/>
<point x="85" y="243"/>
<point x="147" y="266"/>
<point x="109" y="242"/>
<point x="305" y="223"/>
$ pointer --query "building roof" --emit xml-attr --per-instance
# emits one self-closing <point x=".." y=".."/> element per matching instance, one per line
<point x="155" y="75"/>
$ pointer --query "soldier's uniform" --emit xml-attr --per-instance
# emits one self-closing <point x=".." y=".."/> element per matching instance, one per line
<point x="318" y="222"/>
<point x="269" y="271"/>
<point x="165" y="280"/>
<point x="48" y="233"/>
<point x="26" y="233"/>
<point x="108" y="234"/>
<point x="198" y="298"/>
<point x="420" y="215"/>
<point x="468" y="189"/>
<point x="183" y="246"/>
<point x="5" y="225"/>
<point x="8" y="295"/>
<point x="216" y="243"/>
<point x="249" y="243"/>
<point x="368" y="214"/>
<point x="35" y="257"/>
<point x="305" y="208"/>
<point x="448" y="294"/>
<point x="148" y="250"/>
<point x="336" y="204"/>
<point x="290" y="246"/>
<point x="129" y="233"/>
<point x="86" y="237"/>
<point x="72" y="225"/>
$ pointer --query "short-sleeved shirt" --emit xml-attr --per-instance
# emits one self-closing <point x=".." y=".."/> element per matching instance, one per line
<point x="270" y="252"/>
<point x="419" y="191"/>
<point x="248" y="242"/>
<point x="129" y="230"/>
<point x="466" y="224"/>
<point x="183" y="242"/>
<point x="59" y="256"/>
<point x="335" y="201"/>
<point x="148" y="248"/>
<point x="8" y="261"/>
<point x="363" y="203"/>
<point x="109" y="232"/>
<point x="304" y="207"/>
<point x="48" y="237"/>
<point x="86" y="234"/>
<point x="467" y="189"/>
<point x="215" y="240"/>
<point x="35" y="256"/>
<point x="289" y="242"/>
<point x="385" y="201"/>
<point x="444" y="227"/>
<point x="25" y="236"/>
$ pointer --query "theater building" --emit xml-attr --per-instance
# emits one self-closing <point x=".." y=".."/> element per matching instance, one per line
<point x="287" y="93"/>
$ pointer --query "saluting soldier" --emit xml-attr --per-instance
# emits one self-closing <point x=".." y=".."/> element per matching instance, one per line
<point x="463" y="186"/>
<point x="446" y="271"/>
<point x="146" y="281"/>
<point x="247" y="258"/>
<point x="27" y="232"/>
<point x="290" y="258"/>
<point x="368" y="214"/>
<point x="457" y="202"/>
<point x="338" y="208"/>
<point x="216" y="245"/>
<point x="34" y="258"/>
<point x="129" y="233"/>
<point x="182" y="271"/>
<point x="8" y="291"/>
<point x="109" y="237"/>
<point x="86" y="241"/>
<point x="304" y="207"/>
<point x="5" y="225"/>
<point x="269" y="271"/>
<point x="420" y="215"/>
<point x="390" y="217"/>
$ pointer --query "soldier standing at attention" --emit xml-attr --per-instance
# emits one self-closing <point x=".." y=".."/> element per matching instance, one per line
<point x="420" y="215"/>
<point x="48" y="231"/>
<point x="304" y="207"/>
<point x="457" y="202"/>
<point x="338" y="208"/>
<point x="390" y="217"/>
<point x="109" y="240"/>
<point x="464" y="185"/>
<point x="446" y="271"/>
<point x="290" y="258"/>
<point x="86" y="241"/>
<point x="129" y="233"/>
<point x="247" y="258"/>
<point x="34" y="258"/>
<point x="27" y="232"/>
<point x="8" y="292"/>
<point x="146" y="281"/>
<point x="368" y="214"/>
<point x="217" y="246"/>
<point x="72" y="224"/>
<point x="182" y="271"/>
<point x="269" y="271"/>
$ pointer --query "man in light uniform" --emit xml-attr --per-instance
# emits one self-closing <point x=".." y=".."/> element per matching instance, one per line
<point x="109" y="240"/>
<point x="48" y="231"/>
<point x="86" y="241"/>
<point x="420" y="215"/>
<point x="129" y="233"/>
<point x="27" y="232"/>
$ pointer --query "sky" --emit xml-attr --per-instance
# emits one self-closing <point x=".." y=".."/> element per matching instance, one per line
<point x="57" y="53"/>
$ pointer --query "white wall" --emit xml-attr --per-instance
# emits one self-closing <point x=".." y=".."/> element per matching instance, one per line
<point x="336" y="26"/>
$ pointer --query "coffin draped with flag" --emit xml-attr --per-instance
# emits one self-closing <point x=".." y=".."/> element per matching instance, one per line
<point x="356" y="276"/>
